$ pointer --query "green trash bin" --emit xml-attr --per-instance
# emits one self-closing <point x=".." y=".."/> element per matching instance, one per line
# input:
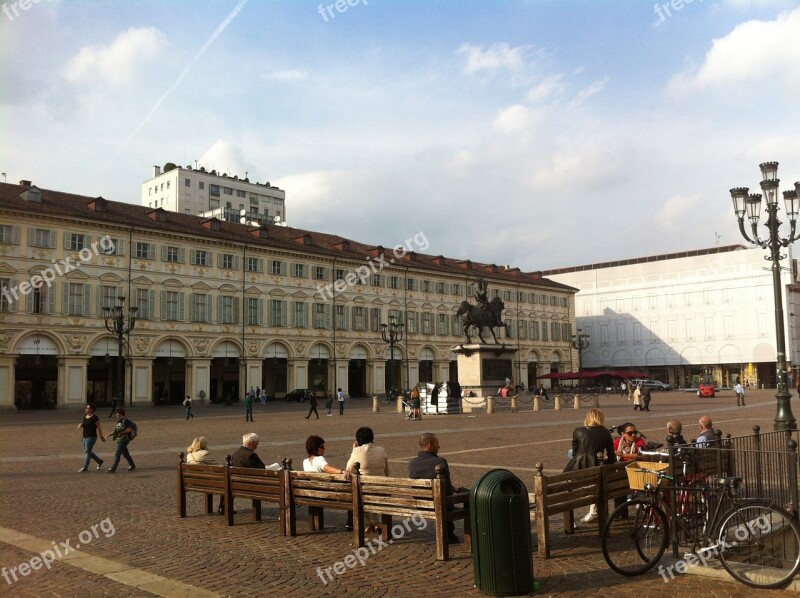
<point x="502" y="558"/>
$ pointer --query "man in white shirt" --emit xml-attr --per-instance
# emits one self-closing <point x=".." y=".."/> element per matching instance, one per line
<point x="739" y="390"/>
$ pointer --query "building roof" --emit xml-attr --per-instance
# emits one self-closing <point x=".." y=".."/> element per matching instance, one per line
<point x="643" y="260"/>
<point x="82" y="208"/>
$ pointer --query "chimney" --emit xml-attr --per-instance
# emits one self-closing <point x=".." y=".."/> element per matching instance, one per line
<point x="156" y="171"/>
<point x="25" y="183"/>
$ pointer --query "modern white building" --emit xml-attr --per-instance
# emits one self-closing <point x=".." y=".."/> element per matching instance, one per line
<point x="211" y="194"/>
<point x="683" y="315"/>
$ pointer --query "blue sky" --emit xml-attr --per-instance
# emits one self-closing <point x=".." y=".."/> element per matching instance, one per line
<point x="533" y="133"/>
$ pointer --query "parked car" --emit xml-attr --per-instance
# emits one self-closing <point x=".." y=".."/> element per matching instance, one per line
<point x="706" y="388"/>
<point x="652" y="384"/>
<point x="299" y="395"/>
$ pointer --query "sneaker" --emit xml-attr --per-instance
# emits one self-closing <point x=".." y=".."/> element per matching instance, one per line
<point x="131" y="468"/>
<point x="100" y="464"/>
<point x="111" y="470"/>
<point x="589" y="517"/>
<point x="82" y="469"/>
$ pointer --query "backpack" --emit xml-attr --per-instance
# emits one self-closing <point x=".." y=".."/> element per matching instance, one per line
<point x="129" y="423"/>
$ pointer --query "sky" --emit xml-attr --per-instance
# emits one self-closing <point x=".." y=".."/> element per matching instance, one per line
<point x="533" y="133"/>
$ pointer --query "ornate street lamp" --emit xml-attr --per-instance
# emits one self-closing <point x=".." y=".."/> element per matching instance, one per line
<point x="750" y="204"/>
<point x="580" y="342"/>
<point x="391" y="334"/>
<point x="115" y="323"/>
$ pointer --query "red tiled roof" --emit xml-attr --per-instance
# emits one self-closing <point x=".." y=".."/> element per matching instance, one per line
<point x="125" y="215"/>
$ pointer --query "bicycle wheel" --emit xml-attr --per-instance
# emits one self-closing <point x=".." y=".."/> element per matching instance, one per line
<point x="759" y="545"/>
<point x="635" y="537"/>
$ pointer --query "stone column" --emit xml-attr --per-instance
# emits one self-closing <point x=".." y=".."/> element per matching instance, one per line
<point x="72" y="384"/>
<point x="7" y="382"/>
<point x="140" y="372"/>
<point x="198" y="379"/>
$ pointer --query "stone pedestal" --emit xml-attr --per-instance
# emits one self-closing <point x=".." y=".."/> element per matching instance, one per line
<point x="483" y="368"/>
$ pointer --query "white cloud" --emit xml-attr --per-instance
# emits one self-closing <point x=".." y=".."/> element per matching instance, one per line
<point x="587" y="92"/>
<point x="546" y="88"/>
<point x="118" y="62"/>
<point x="678" y="210"/>
<point x="287" y="75"/>
<point x="515" y="118"/>
<point x="752" y="52"/>
<point x="495" y="57"/>
<point x="226" y="158"/>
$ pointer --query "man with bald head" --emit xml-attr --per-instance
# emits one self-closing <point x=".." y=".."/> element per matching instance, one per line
<point x="708" y="434"/>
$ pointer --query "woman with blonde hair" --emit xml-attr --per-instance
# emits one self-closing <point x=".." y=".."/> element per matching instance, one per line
<point x="198" y="452"/>
<point x="589" y="442"/>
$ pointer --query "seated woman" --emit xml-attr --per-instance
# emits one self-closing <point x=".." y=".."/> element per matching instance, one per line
<point x="316" y="461"/>
<point x="589" y="442"/>
<point x="198" y="452"/>
<point x="629" y="443"/>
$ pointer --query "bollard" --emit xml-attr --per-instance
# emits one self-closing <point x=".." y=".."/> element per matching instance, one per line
<point x="596" y="401"/>
<point x="557" y="403"/>
<point x="400" y="407"/>
<point x="376" y="405"/>
<point x="489" y="405"/>
<point x="576" y="401"/>
<point x="514" y="404"/>
<point x="537" y="405"/>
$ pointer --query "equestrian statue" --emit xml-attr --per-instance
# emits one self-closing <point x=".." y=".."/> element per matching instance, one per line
<point x="486" y="313"/>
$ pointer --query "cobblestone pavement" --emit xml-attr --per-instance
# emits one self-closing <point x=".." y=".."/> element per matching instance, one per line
<point x="140" y="547"/>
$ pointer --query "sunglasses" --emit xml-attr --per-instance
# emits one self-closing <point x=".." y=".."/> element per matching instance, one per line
<point x="631" y="432"/>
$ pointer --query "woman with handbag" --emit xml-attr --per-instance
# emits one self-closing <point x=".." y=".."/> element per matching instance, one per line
<point x="589" y="442"/>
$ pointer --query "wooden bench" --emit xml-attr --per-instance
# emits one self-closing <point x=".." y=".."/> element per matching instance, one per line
<point x="233" y="482"/>
<point x="565" y="492"/>
<point x="206" y="479"/>
<point x="317" y="491"/>
<point x="404" y="497"/>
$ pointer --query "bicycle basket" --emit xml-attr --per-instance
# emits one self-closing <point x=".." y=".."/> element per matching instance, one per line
<point x="638" y="478"/>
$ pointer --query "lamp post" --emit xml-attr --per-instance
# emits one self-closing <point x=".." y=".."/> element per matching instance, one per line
<point x="580" y="342"/>
<point x="751" y="205"/>
<point x="115" y="323"/>
<point x="392" y="334"/>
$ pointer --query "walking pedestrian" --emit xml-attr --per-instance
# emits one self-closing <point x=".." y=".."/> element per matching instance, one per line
<point x="739" y="390"/>
<point x="113" y="406"/>
<point x="123" y="433"/>
<point x="623" y="388"/>
<point x="248" y="407"/>
<point x="91" y="430"/>
<point x="645" y="398"/>
<point x="340" y="398"/>
<point x="313" y="405"/>
<point x="637" y="398"/>
<point x="187" y="402"/>
<point x="329" y="404"/>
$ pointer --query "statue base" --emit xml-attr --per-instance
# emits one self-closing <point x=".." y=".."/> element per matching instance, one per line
<point x="483" y="368"/>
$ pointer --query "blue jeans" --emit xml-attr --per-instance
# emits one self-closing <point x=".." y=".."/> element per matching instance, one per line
<point x="122" y="451"/>
<point x="88" y="445"/>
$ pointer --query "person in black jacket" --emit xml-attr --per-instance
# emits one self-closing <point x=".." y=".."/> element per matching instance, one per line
<point x="589" y="442"/>
<point x="244" y="456"/>
<point x="423" y="467"/>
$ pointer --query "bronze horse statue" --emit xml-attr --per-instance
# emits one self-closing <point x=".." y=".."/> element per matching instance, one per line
<point x="477" y="316"/>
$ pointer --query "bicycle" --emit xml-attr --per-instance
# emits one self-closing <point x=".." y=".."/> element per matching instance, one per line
<point x="756" y="541"/>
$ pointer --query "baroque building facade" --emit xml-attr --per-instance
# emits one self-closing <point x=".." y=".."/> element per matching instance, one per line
<point x="223" y="307"/>
<point x="687" y="315"/>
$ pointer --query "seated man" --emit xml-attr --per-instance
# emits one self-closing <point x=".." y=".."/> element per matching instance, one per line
<point x="244" y="456"/>
<point x="708" y="434"/>
<point x="423" y="467"/>
<point x="674" y="428"/>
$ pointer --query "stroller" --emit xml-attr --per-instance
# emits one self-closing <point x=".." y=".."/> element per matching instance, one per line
<point x="408" y="405"/>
